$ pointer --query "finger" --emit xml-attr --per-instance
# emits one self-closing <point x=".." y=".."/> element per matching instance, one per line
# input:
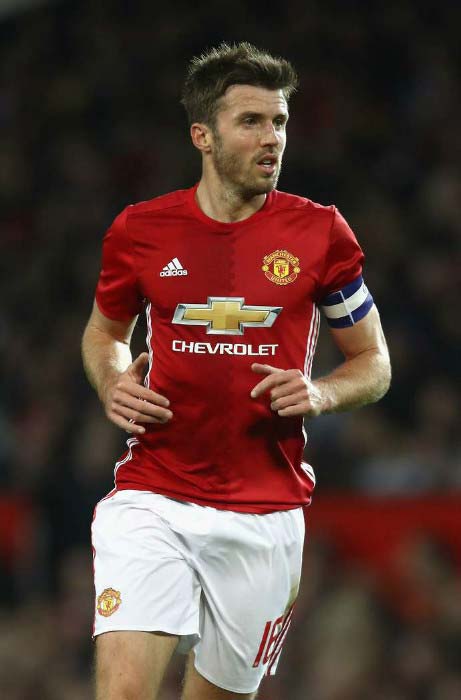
<point x="268" y="383"/>
<point x="141" y="406"/>
<point x="121" y="422"/>
<point x="141" y="392"/>
<point x="300" y="409"/>
<point x="156" y="413"/>
<point x="287" y="388"/>
<point x="264" y="369"/>
<point x="286" y="401"/>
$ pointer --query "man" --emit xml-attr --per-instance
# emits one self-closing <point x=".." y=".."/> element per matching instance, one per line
<point x="199" y="545"/>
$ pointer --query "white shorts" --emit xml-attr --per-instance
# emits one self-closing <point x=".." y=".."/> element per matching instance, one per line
<point x="222" y="581"/>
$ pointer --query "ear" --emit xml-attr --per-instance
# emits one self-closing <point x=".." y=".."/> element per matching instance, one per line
<point x="201" y="136"/>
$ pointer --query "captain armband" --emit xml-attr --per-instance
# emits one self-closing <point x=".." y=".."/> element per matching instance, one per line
<point x="348" y="305"/>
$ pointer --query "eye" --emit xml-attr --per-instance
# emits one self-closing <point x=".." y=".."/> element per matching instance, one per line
<point x="250" y="121"/>
<point x="279" y="122"/>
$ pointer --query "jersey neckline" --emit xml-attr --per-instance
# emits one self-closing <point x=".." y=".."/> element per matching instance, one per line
<point x="228" y="227"/>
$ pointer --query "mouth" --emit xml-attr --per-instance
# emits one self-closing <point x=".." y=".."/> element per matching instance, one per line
<point x="268" y="164"/>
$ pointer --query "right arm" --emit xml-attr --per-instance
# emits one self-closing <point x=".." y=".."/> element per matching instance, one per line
<point x="118" y="380"/>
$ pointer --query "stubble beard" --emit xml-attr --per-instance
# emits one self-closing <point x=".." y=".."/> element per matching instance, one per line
<point x="231" y="171"/>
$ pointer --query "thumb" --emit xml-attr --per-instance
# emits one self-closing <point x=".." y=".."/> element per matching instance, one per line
<point x="138" y="365"/>
<point x="141" y="361"/>
<point x="264" y="369"/>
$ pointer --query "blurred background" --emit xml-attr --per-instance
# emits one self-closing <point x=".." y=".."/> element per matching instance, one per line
<point x="91" y="121"/>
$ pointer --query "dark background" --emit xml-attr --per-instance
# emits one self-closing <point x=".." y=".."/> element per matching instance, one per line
<point x="90" y="121"/>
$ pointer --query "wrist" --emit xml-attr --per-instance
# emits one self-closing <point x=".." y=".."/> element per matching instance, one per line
<point x="105" y="387"/>
<point x="324" y="395"/>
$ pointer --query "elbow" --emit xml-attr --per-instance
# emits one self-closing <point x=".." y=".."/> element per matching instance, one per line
<point x="383" y="376"/>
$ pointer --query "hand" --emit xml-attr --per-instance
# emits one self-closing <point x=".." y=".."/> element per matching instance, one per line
<point x="290" y="392"/>
<point x="128" y="402"/>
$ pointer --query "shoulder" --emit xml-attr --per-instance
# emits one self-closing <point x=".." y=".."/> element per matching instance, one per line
<point x="305" y="206"/>
<point x="327" y="219"/>
<point x="162" y="203"/>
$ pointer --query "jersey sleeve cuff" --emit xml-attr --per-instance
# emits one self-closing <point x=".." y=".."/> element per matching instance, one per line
<point x="111" y="313"/>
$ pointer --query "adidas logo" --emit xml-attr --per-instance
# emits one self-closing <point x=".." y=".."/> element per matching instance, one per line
<point x="173" y="269"/>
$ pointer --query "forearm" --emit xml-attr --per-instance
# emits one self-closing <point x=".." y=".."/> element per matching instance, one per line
<point x="104" y="358"/>
<point x="359" y="380"/>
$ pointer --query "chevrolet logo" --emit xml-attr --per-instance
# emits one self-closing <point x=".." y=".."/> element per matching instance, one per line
<point x="226" y="315"/>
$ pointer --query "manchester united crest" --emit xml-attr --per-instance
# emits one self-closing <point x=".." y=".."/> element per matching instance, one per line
<point x="281" y="267"/>
<point x="108" y="602"/>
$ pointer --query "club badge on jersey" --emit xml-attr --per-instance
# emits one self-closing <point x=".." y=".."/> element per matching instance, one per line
<point x="281" y="267"/>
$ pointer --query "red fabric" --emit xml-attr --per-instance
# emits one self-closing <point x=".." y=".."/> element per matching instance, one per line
<point x="343" y="262"/>
<point x="117" y="294"/>
<point x="16" y="526"/>
<point x="223" y="448"/>
<point x="372" y="529"/>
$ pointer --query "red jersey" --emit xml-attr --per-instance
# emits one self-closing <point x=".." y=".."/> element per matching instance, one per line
<point x="218" y="297"/>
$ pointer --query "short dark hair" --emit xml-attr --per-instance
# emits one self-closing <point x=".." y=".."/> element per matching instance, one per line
<point x="210" y="75"/>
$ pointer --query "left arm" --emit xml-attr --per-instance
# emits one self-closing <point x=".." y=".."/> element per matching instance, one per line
<point x="364" y="376"/>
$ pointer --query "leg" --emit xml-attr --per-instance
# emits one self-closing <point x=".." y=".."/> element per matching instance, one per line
<point x="131" y="665"/>
<point x="144" y="589"/>
<point x="249" y="573"/>
<point x="196" y="687"/>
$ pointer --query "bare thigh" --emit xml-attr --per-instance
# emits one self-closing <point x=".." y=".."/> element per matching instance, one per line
<point x="196" y="687"/>
<point x="130" y="665"/>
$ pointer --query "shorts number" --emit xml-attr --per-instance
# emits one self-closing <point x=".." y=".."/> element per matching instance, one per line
<point x="272" y="640"/>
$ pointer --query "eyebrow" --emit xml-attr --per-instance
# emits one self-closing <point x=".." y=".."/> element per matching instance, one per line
<point x="252" y="113"/>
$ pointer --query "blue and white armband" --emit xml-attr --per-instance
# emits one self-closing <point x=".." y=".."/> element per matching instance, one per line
<point x="348" y="305"/>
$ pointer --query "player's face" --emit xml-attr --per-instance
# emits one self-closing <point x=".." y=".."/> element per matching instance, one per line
<point x="249" y="139"/>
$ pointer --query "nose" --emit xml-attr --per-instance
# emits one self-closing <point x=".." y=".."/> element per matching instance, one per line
<point x="269" y="135"/>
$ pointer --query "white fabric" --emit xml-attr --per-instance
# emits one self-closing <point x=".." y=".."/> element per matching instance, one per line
<point x="213" y="577"/>
<point x="347" y="306"/>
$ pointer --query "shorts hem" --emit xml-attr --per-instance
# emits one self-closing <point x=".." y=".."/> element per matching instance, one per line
<point x="143" y="628"/>
<point x="230" y="688"/>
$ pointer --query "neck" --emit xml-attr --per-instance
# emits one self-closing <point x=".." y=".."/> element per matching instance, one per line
<point x="224" y="204"/>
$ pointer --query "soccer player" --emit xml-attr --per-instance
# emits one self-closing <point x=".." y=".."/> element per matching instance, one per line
<point x="198" y="547"/>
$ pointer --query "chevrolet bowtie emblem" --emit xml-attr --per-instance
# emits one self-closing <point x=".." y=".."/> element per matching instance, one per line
<point x="226" y="315"/>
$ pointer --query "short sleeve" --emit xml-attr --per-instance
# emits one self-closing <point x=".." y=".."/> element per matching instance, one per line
<point x="117" y="294"/>
<point x="344" y="297"/>
<point x="344" y="258"/>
